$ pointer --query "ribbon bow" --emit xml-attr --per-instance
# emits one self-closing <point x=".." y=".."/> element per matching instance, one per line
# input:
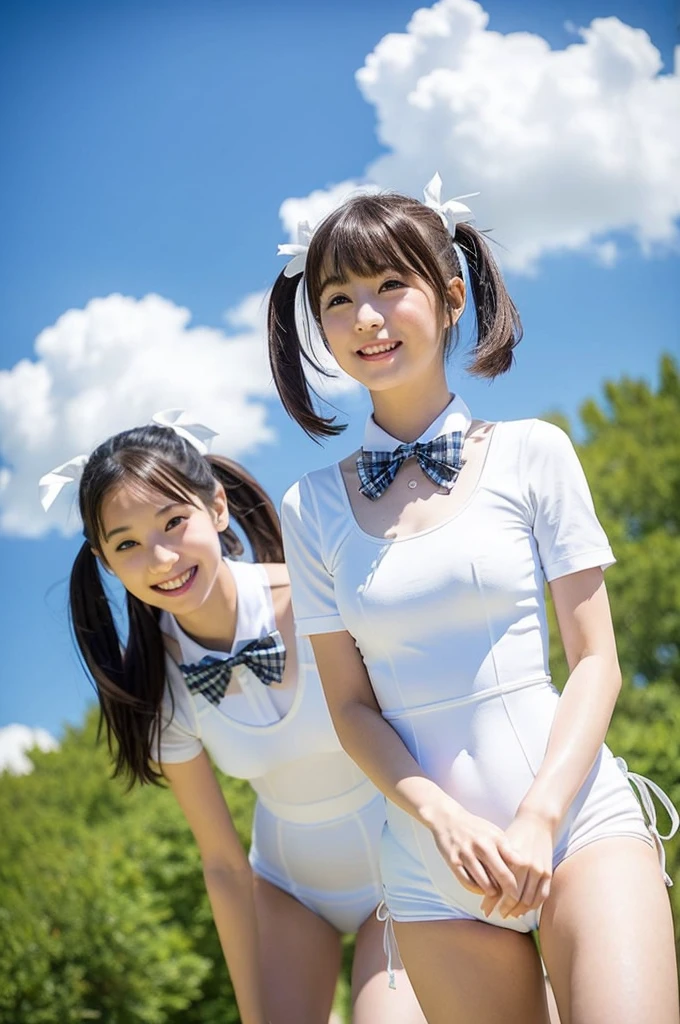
<point x="265" y="657"/>
<point x="200" y="436"/>
<point x="452" y="212"/>
<point x="440" y="460"/>
<point x="195" y="433"/>
<point x="51" y="483"/>
<point x="298" y="250"/>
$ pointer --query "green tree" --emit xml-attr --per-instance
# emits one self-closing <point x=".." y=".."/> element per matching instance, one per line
<point x="104" y="913"/>
<point x="630" y="450"/>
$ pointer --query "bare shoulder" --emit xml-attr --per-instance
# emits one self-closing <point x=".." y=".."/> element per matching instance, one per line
<point x="279" y="585"/>
<point x="277" y="574"/>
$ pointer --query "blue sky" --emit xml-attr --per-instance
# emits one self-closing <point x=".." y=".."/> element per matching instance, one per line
<point x="148" y="149"/>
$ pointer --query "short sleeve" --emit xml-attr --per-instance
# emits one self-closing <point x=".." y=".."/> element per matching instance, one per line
<point x="567" y="531"/>
<point x="180" y="738"/>
<point x="312" y="586"/>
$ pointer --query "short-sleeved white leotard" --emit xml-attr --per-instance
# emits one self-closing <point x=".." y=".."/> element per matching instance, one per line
<point x="318" y="819"/>
<point x="451" y="624"/>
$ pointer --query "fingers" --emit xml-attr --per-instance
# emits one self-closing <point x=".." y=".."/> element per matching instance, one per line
<point x="472" y="874"/>
<point x="489" y="873"/>
<point x="467" y="881"/>
<point x="534" y="885"/>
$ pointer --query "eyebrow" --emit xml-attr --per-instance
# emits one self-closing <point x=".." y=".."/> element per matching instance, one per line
<point x="124" y="529"/>
<point x="331" y="282"/>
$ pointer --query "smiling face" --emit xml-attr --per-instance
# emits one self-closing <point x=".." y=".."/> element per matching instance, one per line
<point x="388" y="329"/>
<point x="164" y="552"/>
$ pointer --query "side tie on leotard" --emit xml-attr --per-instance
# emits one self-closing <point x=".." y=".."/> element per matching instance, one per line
<point x="390" y="947"/>
<point x="642" y="787"/>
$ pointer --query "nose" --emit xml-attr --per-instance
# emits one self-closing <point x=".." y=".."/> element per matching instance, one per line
<point x="368" y="318"/>
<point x="162" y="559"/>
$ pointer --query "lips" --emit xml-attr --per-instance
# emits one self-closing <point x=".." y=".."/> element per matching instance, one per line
<point x="378" y="349"/>
<point x="178" y="584"/>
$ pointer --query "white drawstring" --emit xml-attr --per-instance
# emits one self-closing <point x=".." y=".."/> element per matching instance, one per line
<point x="642" y="786"/>
<point x="389" y="941"/>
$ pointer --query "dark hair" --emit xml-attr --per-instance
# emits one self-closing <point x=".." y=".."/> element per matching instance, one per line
<point x="366" y="236"/>
<point x="130" y="680"/>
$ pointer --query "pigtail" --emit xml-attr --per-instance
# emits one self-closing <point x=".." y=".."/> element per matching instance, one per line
<point x="253" y="510"/>
<point x="287" y="357"/>
<point x="499" y="328"/>
<point x="129" y="682"/>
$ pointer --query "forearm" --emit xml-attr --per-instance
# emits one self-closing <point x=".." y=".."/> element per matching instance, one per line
<point x="582" y="718"/>
<point x="380" y="752"/>
<point x="231" y="898"/>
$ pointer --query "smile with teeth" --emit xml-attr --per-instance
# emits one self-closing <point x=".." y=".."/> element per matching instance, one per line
<point x="177" y="582"/>
<point x="378" y="348"/>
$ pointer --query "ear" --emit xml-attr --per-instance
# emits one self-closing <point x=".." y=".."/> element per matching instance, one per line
<point x="220" y="508"/>
<point x="455" y="291"/>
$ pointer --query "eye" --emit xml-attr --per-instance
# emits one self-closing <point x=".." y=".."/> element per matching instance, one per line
<point x="336" y="301"/>
<point x="125" y="545"/>
<point x="172" y="523"/>
<point x="391" y="284"/>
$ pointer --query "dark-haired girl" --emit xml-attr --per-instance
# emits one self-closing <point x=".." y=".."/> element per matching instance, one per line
<point x="418" y="567"/>
<point x="211" y="665"/>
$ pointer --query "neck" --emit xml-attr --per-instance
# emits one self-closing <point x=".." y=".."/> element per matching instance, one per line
<point x="213" y="625"/>
<point x="406" y="412"/>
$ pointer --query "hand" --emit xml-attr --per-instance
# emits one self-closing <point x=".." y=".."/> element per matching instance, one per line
<point x="531" y="839"/>
<point x="478" y="853"/>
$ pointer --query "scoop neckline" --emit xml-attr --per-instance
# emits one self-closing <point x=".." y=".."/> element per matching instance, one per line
<point x="430" y="529"/>
<point x="299" y="683"/>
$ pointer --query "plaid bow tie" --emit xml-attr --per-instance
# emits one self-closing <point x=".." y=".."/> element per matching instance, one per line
<point x="439" y="459"/>
<point x="265" y="657"/>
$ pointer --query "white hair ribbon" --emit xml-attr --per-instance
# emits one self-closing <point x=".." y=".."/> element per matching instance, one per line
<point x="298" y="250"/>
<point x="452" y="212"/>
<point x="52" y="483"/>
<point x="195" y="433"/>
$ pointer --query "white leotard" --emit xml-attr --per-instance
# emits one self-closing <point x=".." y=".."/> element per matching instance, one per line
<point x="318" y="819"/>
<point x="451" y="624"/>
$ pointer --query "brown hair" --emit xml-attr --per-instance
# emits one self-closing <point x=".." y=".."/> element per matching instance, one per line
<point x="130" y="679"/>
<point x="368" y="235"/>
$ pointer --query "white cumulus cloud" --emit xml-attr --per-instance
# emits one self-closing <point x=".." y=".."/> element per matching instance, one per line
<point x="110" y="366"/>
<point x="16" y="743"/>
<point x="565" y="146"/>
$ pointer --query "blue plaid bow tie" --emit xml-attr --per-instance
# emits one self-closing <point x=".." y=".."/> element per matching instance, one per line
<point x="439" y="459"/>
<point x="265" y="657"/>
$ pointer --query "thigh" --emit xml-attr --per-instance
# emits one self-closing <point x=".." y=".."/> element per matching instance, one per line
<point x="466" y="971"/>
<point x="607" y="936"/>
<point x="300" y="958"/>
<point x="373" y="1001"/>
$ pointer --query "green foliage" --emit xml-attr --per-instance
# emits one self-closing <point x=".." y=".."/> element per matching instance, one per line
<point x="104" y="913"/>
<point x="631" y="455"/>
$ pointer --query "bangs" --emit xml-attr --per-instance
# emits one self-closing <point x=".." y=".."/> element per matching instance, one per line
<point x="367" y="237"/>
<point x="149" y="475"/>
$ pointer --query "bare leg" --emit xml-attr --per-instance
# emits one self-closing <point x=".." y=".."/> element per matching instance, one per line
<point x="466" y="971"/>
<point x="300" y="958"/>
<point x="607" y="937"/>
<point x="373" y="1001"/>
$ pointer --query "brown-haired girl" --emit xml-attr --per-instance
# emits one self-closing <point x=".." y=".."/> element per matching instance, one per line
<point x="210" y="664"/>
<point x="418" y="567"/>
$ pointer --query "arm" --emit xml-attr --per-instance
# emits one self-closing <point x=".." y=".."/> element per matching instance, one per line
<point x="581" y="721"/>
<point x="228" y="878"/>
<point x="476" y="850"/>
